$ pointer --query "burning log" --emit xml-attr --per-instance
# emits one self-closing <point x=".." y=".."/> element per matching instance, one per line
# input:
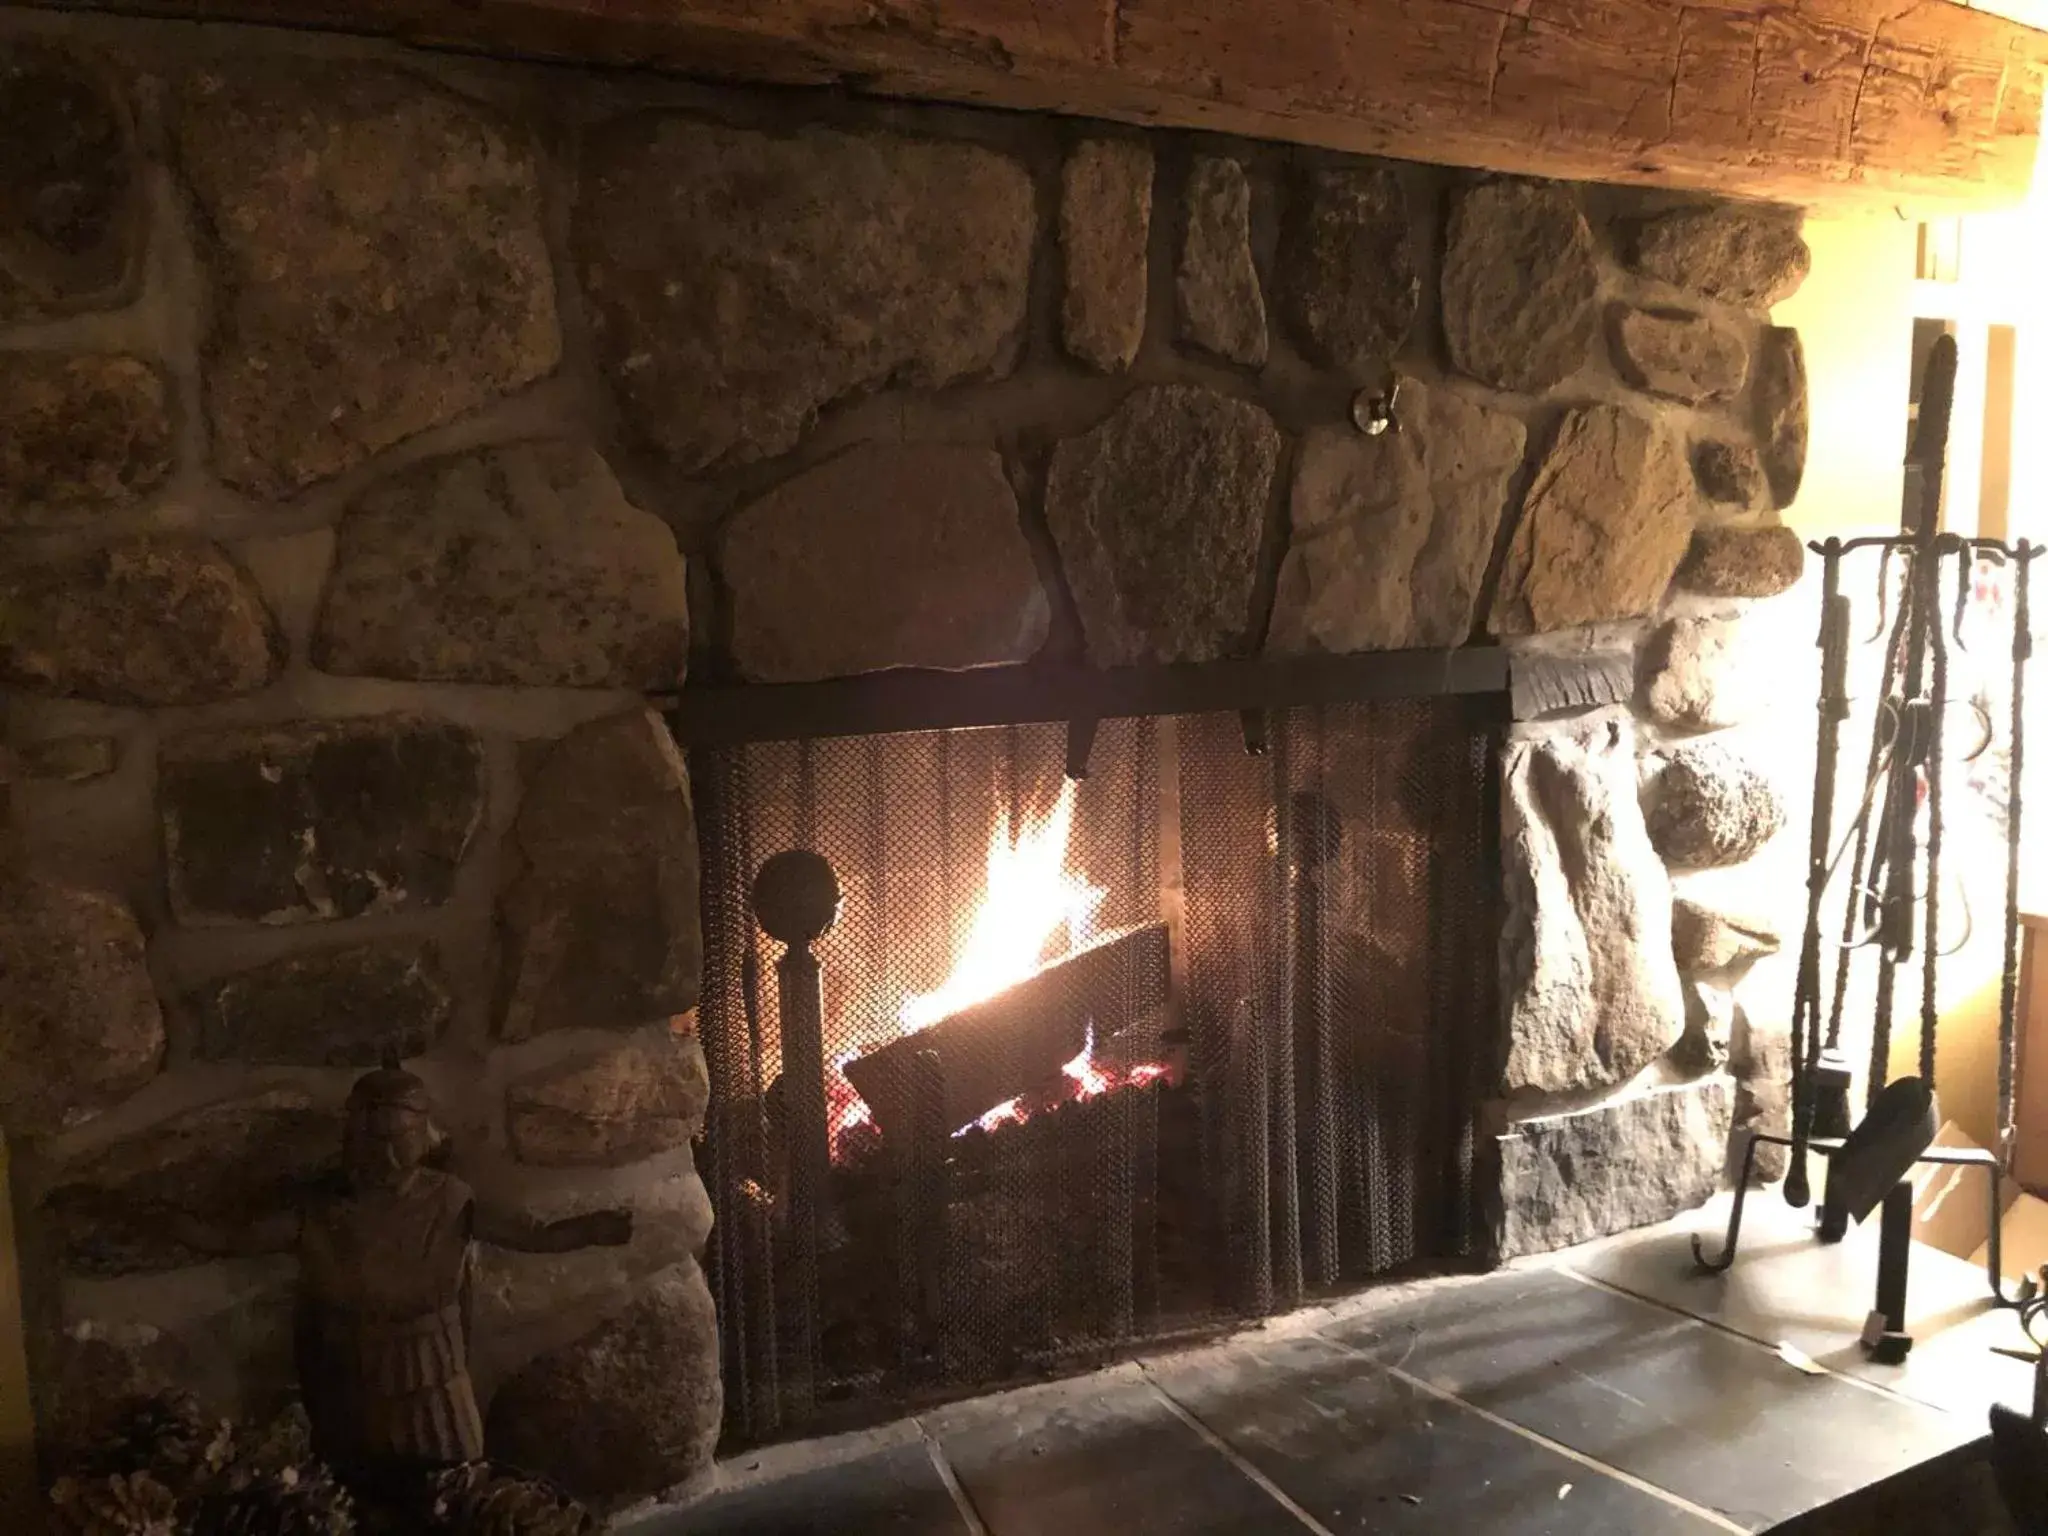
<point x="1018" y="1040"/>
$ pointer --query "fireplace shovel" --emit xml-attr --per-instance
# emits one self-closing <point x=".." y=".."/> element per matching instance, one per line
<point x="1902" y="1124"/>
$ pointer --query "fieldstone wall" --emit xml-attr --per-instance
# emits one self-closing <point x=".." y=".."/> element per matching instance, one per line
<point x="380" y="432"/>
<point x="1639" y="894"/>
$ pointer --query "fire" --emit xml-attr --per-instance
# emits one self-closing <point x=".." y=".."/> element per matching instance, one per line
<point x="1088" y="1079"/>
<point x="848" y="1120"/>
<point x="1009" y="1112"/>
<point x="1085" y="1078"/>
<point x="1030" y="896"/>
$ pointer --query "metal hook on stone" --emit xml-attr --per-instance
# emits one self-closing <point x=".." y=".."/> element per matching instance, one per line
<point x="1372" y="411"/>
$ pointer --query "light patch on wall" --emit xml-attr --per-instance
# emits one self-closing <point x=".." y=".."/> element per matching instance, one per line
<point x="1852" y="315"/>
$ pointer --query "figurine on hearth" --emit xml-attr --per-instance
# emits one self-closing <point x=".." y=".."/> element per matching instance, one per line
<point x="383" y="1319"/>
<point x="384" y="1311"/>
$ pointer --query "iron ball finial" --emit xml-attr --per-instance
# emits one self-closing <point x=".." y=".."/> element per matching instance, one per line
<point x="796" y="896"/>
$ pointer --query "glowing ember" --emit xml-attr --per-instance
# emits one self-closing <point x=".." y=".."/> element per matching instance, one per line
<point x="1090" y="1078"/>
<point x="1030" y="897"/>
<point x="1009" y="1112"/>
<point x="1086" y="1078"/>
<point x="847" y="1117"/>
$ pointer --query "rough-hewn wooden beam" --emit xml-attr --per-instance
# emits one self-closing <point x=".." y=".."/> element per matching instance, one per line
<point x="1924" y="103"/>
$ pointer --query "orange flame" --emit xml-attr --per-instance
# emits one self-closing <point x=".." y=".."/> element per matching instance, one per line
<point x="1030" y="896"/>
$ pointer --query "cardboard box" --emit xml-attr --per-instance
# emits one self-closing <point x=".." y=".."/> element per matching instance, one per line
<point x="1952" y="1204"/>
<point x="2022" y="1238"/>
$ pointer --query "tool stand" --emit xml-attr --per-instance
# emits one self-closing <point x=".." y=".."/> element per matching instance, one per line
<point x="1884" y="1331"/>
<point x="1894" y="1238"/>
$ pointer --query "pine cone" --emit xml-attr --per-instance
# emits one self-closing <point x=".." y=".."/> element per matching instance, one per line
<point x="297" y="1501"/>
<point x="481" y="1500"/>
<point x="134" y="1504"/>
<point x="286" y="1441"/>
<point x="169" y="1436"/>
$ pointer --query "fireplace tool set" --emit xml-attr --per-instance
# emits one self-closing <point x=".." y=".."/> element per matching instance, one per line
<point x="1894" y="849"/>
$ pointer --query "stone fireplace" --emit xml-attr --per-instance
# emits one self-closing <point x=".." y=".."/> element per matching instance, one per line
<point x="450" y="508"/>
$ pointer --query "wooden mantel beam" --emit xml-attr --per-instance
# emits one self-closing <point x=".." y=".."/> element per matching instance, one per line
<point x="1926" y="104"/>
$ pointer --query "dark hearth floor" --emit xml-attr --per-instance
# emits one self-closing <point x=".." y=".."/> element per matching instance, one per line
<point x="1536" y="1400"/>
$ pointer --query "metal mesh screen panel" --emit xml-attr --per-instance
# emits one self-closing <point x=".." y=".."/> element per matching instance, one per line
<point x="1303" y="941"/>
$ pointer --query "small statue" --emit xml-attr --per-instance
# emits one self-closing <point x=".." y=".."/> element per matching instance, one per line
<point x="384" y="1314"/>
<point x="383" y="1322"/>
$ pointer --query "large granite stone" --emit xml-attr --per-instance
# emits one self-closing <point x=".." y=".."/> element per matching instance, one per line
<point x="95" y="1373"/>
<point x="1704" y="938"/>
<point x="67" y="759"/>
<point x="79" y="435"/>
<point x="1349" y="282"/>
<point x="1762" y="1064"/>
<point x="1604" y="525"/>
<point x="1689" y="358"/>
<point x="79" y="1025"/>
<point x="71" y="206"/>
<point x="1743" y="562"/>
<point x="739" y="281"/>
<point x="1710" y="1019"/>
<point x="886" y="556"/>
<point x="1741" y="254"/>
<point x="1105" y="226"/>
<point x="1520" y="285"/>
<point x="630" y="1409"/>
<point x="1222" y="307"/>
<point x="1592" y="993"/>
<point x="530" y="1304"/>
<point x="378" y="260"/>
<point x="1779" y="402"/>
<point x="1645" y="1158"/>
<point x="620" y="1106"/>
<point x="1730" y="473"/>
<point x="331" y="1008"/>
<point x="601" y="919"/>
<point x="317" y="819"/>
<point x="195" y="1186"/>
<point x="1700" y="674"/>
<point x="227" y="1325"/>
<point x="1392" y="534"/>
<point x="522" y="565"/>
<point x="1713" y="807"/>
<point x="148" y="621"/>
<point x="1157" y="513"/>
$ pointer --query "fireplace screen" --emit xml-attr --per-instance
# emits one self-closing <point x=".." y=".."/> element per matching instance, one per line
<point x="1085" y="1062"/>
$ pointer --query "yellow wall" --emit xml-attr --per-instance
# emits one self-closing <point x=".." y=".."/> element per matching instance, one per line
<point x="1854" y="319"/>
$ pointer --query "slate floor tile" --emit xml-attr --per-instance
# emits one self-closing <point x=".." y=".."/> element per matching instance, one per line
<point x="1788" y="1287"/>
<point x="1099" y="1456"/>
<point x="1688" y="1408"/>
<point x="1365" y="1452"/>
<point x="891" y="1492"/>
